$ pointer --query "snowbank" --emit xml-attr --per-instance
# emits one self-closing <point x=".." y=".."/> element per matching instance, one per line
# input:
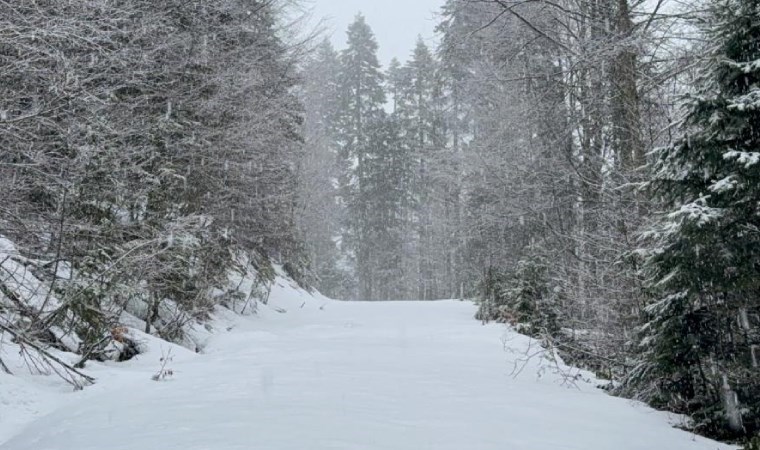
<point x="34" y="389"/>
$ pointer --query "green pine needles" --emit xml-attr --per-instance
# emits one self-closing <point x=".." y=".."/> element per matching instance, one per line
<point x="703" y="257"/>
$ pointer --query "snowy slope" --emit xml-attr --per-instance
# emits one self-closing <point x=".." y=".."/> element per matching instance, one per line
<point x="313" y="374"/>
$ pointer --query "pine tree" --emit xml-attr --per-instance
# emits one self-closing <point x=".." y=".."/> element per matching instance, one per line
<point x="397" y="81"/>
<point x="455" y="56"/>
<point x="387" y="184"/>
<point x="416" y="98"/>
<point x="422" y="73"/>
<point x="702" y="338"/>
<point x="320" y="215"/>
<point x="362" y="101"/>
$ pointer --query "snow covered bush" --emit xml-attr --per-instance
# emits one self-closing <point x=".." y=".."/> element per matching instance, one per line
<point x="145" y="147"/>
<point x="524" y="297"/>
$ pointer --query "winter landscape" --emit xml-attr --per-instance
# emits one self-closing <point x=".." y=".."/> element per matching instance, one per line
<point x="437" y="224"/>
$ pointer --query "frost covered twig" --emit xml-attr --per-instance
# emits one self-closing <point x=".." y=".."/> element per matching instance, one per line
<point x="164" y="373"/>
<point x="545" y="351"/>
<point x="64" y="370"/>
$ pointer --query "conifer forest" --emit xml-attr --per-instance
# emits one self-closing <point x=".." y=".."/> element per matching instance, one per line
<point x="587" y="172"/>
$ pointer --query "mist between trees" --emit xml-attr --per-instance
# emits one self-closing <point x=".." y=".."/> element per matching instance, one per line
<point x="586" y="169"/>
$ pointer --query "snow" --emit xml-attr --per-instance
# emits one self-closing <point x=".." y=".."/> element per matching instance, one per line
<point x="748" y="102"/>
<point x="748" y="159"/>
<point x="698" y="211"/>
<point x="18" y="278"/>
<point x="723" y="185"/>
<point x="308" y="373"/>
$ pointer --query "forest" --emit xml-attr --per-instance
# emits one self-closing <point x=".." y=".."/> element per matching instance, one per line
<point x="588" y="171"/>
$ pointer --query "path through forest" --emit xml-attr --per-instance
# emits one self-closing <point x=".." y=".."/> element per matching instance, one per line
<point x="391" y="376"/>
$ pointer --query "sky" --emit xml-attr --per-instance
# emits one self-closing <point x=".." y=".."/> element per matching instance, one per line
<point x="396" y="23"/>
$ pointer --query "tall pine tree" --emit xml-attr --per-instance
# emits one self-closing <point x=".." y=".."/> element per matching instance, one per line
<point x="320" y="215"/>
<point x="362" y="101"/>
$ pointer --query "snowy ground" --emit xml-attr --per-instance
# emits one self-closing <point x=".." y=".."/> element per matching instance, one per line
<point x="312" y="374"/>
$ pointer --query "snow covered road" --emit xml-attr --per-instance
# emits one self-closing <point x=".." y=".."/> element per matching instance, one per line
<point x="353" y="376"/>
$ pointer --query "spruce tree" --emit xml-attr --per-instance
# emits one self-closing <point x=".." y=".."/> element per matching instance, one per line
<point x="386" y="187"/>
<point x="320" y="214"/>
<point x="362" y="101"/>
<point x="396" y="83"/>
<point x="704" y="257"/>
<point x="416" y="113"/>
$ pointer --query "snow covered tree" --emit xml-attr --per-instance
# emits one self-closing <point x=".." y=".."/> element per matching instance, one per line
<point x="492" y="135"/>
<point x="150" y="145"/>
<point x="422" y="114"/>
<point x="701" y="341"/>
<point x="417" y="109"/>
<point x="543" y="124"/>
<point x="362" y="101"/>
<point x="320" y="215"/>
<point x="386" y="196"/>
<point x="526" y="297"/>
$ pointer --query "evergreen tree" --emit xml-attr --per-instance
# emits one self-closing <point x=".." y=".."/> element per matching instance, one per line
<point x="396" y="84"/>
<point x="417" y="97"/>
<point x="362" y="101"/>
<point x="422" y="72"/>
<point x="320" y="214"/>
<point x="702" y="338"/>
<point x="526" y="297"/>
<point x="456" y="57"/>
<point x="386" y="188"/>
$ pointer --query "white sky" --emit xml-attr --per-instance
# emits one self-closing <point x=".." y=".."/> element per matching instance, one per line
<point x="396" y="23"/>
